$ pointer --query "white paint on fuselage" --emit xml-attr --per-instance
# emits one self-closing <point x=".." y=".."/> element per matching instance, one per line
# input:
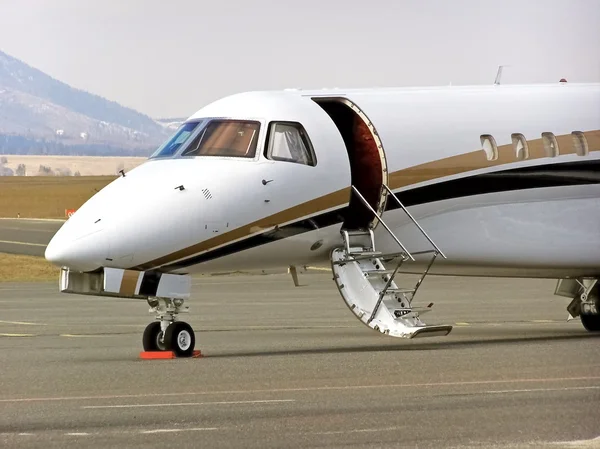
<point x="143" y="216"/>
<point x="528" y="233"/>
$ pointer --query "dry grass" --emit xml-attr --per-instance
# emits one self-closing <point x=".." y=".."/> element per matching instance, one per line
<point x="46" y="196"/>
<point x="16" y="268"/>
<point x="85" y="165"/>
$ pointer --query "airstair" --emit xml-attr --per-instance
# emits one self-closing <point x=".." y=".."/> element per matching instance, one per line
<point x="370" y="289"/>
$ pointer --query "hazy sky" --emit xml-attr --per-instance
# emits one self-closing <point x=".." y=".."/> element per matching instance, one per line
<point x="170" y="57"/>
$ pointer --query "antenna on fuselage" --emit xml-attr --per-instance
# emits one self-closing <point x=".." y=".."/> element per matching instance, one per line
<point x="499" y="74"/>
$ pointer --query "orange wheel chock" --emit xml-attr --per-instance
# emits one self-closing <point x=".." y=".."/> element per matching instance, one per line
<point x="161" y="355"/>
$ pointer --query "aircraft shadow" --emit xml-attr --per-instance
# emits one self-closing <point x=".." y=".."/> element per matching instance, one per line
<point x="406" y="346"/>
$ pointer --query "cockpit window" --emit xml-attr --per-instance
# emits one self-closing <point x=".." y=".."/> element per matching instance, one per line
<point x="230" y="138"/>
<point x="170" y="147"/>
<point x="289" y="142"/>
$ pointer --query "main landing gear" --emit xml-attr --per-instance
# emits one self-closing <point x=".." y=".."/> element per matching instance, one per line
<point x="585" y="294"/>
<point x="590" y="307"/>
<point x="167" y="334"/>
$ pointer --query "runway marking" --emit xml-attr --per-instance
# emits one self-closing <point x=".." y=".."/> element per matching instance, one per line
<point x="22" y="243"/>
<point x="77" y="434"/>
<point x="193" y="429"/>
<point x="83" y="335"/>
<point x="461" y="324"/>
<point x="29" y="229"/>
<point x="302" y="389"/>
<point x="25" y="434"/>
<point x="24" y="323"/>
<point x="17" y="335"/>
<point x="181" y="404"/>
<point x="337" y="432"/>
<point x="533" y="390"/>
<point x="32" y="219"/>
<point x="253" y="281"/>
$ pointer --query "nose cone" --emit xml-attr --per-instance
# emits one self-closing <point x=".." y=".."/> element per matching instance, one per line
<point x="84" y="253"/>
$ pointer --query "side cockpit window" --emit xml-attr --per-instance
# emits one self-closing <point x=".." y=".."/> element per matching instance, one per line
<point x="175" y="142"/>
<point x="227" y="138"/>
<point x="288" y="142"/>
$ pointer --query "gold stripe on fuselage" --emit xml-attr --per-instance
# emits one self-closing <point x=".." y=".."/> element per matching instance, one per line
<point x="289" y="215"/>
<point x="428" y="171"/>
<point x="129" y="282"/>
<point x="477" y="160"/>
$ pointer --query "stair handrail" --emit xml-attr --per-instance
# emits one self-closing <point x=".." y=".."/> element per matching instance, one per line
<point x="366" y="203"/>
<point x="414" y="221"/>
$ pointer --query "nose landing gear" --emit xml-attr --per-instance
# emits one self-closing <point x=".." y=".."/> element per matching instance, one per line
<point x="167" y="334"/>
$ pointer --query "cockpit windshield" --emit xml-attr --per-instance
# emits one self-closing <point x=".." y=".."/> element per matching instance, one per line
<point x="170" y="147"/>
<point x="232" y="138"/>
<point x="218" y="137"/>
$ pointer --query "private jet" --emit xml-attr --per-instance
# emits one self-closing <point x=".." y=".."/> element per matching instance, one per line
<point x="382" y="185"/>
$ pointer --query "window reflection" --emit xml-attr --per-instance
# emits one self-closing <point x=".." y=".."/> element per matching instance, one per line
<point x="230" y="138"/>
<point x="288" y="142"/>
<point x="171" y="146"/>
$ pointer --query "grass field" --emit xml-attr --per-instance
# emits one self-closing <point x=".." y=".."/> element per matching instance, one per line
<point x="46" y="196"/>
<point x="85" y="165"/>
<point x="15" y="268"/>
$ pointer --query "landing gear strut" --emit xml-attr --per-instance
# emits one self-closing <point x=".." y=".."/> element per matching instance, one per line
<point x="167" y="334"/>
<point x="585" y="294"/>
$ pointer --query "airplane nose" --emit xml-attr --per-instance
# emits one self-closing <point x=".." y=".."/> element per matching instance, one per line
<point x="82" y="254"/>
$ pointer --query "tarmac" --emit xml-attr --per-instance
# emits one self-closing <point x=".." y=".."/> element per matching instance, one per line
<point x="26" y="236"/>
<point x="290" y="367"/>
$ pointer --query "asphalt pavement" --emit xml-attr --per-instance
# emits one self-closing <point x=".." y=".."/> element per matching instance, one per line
<point x="291" y="367"/>
<point x="25" y="236"/>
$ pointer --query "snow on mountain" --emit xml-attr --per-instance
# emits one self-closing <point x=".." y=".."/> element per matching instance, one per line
<point x="38" y="107"/>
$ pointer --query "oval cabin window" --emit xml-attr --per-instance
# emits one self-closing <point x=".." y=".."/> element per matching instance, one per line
<point x="550" y="144"/>
<point x="520" y="146"/>
<point x="580" y="143"/>
<point x="488" y="144"/>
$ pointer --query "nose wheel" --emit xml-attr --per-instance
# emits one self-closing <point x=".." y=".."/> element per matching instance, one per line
<point x="166" y="334"/>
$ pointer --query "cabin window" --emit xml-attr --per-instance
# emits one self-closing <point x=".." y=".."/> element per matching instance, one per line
<point x="289" y="142"/>
<point x="520" y="145"/>
<point x="488" y="143"/>
<point x="550" y="144"/>
<point x="227" y="138"/>
<point x="580" y="143"/>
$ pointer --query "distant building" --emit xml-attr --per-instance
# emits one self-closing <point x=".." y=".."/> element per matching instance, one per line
<point x="84" y="136"/>
<point x="60" y="132"/>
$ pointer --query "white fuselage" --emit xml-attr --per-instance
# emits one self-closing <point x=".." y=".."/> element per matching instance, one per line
<point x="537" y="216"/>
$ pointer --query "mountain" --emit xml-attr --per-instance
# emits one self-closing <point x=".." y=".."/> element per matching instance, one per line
<point x="41" y="115"/>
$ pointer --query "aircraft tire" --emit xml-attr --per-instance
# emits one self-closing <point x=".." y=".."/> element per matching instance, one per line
<point x="180" y="339"/>
<point x="151" y="338"/>
<point x="591" y="322"/>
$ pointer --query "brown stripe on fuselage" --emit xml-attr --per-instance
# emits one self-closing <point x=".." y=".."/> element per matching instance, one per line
<point x="477" y="160"/>
<point x="449" y="166"/>
<point x="311" y="207"/>
<point x="129" y="282"/>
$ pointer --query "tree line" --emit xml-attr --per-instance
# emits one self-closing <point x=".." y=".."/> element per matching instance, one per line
<point x="21" y="145"/>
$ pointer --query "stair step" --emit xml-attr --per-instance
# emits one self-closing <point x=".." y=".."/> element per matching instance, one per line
<point x="372" y="254"/>
<point x="432" y="331"/>
<point x="363" y="255"/>
<point x="429" y="251"/>
<point x="378" y="271"/>
<point x="357" y="232"/>
<point x="400" y="290"/>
